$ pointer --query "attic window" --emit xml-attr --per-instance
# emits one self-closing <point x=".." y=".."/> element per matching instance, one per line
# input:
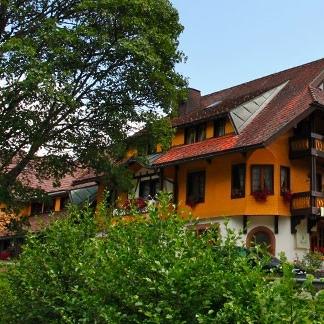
<point x="321" y="86"/>
<point x="219" y="127"/>
<point x="195" y="133"/>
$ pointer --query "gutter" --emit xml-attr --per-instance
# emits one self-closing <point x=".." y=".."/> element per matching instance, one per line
<point x="57" y="193"/>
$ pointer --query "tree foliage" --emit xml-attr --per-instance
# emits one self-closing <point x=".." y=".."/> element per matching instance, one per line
<point x="150" y="270"/>
<point x="75" y="75"/>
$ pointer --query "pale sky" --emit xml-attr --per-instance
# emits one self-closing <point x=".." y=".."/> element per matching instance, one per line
<point x="228" y="42"/>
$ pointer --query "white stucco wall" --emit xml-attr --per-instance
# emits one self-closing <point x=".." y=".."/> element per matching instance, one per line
<point x="284" y="240"/>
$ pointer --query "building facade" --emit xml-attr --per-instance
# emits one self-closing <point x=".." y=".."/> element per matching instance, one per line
<point x="252" y="155"/>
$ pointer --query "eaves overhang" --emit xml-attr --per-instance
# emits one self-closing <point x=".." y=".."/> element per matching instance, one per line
<point x="207" y="156"/>
<point x="201" y="120"/>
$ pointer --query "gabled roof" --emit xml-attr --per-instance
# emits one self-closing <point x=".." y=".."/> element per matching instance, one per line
<point x="79" y="178"/>
<point x="294" y="93"/>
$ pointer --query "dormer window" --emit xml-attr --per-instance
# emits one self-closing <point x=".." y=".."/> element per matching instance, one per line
<point x="219" y="127"/>
<point x="321" y="86"/>
<point x="195" y="133"/>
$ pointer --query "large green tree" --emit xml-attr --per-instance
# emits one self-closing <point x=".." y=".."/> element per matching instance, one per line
<point x="75" y="75"/>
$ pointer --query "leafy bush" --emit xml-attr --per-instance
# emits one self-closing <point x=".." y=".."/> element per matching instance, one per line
<point x="311" y="262"/>
<point x="153" y="269"/>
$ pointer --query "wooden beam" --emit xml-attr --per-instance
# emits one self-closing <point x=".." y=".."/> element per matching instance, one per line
<point x="276" y="224"/>
<point x="245" y="219"/>
<point x="175" y="186"/>
<point x="161" y="179"/>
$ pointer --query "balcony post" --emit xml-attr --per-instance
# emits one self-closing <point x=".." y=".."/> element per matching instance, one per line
<point x="313" y="179"/>
<point x="175" y="186"/>
<point x="161" y="179"/>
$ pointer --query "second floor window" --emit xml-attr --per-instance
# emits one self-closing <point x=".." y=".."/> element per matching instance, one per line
<point x="262" y="179"/>
<point x="284" y="180"/>
<point x="149" y="188"/>
<point x="195" y="188"/>
<point x="195" y="133"/>
<point x="219" y="127"/>
<point x="238" y="181"/>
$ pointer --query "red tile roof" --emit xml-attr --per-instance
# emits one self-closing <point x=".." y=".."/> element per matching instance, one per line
<point x="291" y="102"/>
<point x="68" y="182"/>
<point x="203" y="148"/>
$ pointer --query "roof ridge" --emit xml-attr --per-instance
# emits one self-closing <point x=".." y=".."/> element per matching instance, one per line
<point x="265" y="77"/>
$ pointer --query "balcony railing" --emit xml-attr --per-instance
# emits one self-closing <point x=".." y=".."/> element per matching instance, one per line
<point x="305" y="146"/>
<point x="307" y="202"/>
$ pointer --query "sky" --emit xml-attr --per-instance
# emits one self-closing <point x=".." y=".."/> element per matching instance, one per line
<point x="228" y="42"/>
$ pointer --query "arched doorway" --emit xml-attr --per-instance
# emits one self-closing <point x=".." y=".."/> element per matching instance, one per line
<point x="262" y="235"/>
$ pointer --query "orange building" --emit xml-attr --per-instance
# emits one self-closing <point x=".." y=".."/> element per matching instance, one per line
<point x="75" y="188"/>
<point x="252" y="154"/>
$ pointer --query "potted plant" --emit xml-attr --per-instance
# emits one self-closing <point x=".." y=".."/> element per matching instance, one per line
<point x="261" y="195"/>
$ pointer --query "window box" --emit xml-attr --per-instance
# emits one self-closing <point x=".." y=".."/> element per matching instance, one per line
<point x="287" y="196"/>
<point x="261" y="195"/>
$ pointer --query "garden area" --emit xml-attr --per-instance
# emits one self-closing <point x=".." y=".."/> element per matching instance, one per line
<point x="94" y="268"/>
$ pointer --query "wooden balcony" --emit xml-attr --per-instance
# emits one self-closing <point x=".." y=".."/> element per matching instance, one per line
<point x="302" y="146"/>
<point x="307" y="203"/>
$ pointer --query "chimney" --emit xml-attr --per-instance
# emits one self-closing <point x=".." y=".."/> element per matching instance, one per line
<point x="192" y="103"/>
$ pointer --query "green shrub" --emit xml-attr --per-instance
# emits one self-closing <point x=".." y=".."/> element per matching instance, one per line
<point x="149" y="270"/>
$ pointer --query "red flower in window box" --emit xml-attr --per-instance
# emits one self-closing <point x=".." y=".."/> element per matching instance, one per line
<point x="138" y="203"/>
<point x="287" y="196"/>
<point x="319" y="249"/>
<point x="261" y="195"/>
<point x="5" y="255"/>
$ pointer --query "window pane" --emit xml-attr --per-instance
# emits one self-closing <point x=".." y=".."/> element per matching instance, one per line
<point x="262" y="178"/>
<point x="190" y="135"/>
<point x="36" y="208"/>
<point x="261" y="238"/>
<point x="284" y="179"/>
<point x="268" y="178"/>
<point x="256" y="176"/>
<point x="201" y="186"/>
<point x="49" y="206"/>
<point x="219" y="127"/>
<point x="201" y="132"/>
<point x="64" y="202"/>
<point x="144" y="190"/>
<point x="196" y="187"/>
<point x="238" y="180"/>
<point x="195" y="134"/>
<point x="155" y="187"/>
